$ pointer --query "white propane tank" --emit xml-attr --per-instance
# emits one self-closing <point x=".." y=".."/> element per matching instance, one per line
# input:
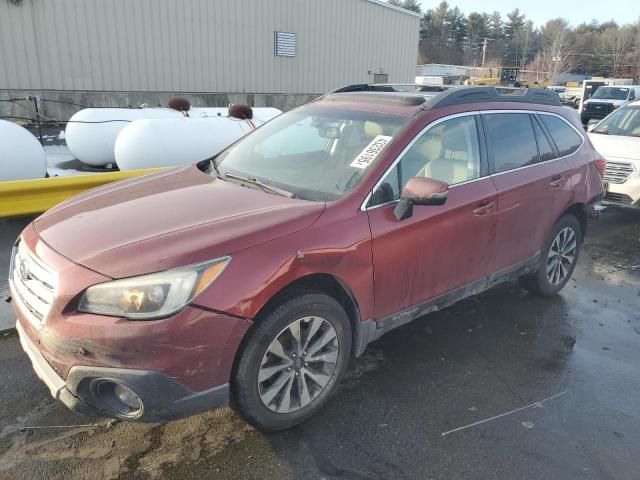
<point x="182" y="141"/>
<point x="92" y="143"/>
<point x="261" y="114"/>
<point x="21" y="155"/>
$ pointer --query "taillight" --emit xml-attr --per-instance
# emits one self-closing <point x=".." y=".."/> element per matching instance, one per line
<point x="601" y="165"/>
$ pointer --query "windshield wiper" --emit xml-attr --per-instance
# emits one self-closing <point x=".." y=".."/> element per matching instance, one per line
<point x="258" y="183"/>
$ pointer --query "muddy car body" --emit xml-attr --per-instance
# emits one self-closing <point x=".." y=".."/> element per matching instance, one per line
<point x="159" y="297"/>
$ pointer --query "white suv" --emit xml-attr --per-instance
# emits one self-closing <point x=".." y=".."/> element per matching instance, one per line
<point x="617" y="138"/>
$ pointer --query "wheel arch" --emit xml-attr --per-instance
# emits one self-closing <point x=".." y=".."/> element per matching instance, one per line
<point x="326" y="283"/>
<point x="578" y="210"/>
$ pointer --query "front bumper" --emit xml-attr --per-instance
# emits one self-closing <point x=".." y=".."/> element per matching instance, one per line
<point x="625" y="193"/>
<point x="162" y="397"/>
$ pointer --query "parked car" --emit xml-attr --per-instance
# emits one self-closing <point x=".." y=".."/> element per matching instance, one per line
<point x="254" y="276"/>
<point x="560" y="90"/>
<point x="606" y="99"/>
<point x="617" y="138"/>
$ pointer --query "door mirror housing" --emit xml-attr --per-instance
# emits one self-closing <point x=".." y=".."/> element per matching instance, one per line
<point x="420" y="191"/>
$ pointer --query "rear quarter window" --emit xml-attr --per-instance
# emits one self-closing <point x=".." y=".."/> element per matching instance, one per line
<point x="567" y="140"/>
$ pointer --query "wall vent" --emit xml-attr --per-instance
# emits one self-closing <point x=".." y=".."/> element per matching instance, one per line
<point x="285" y="44"/>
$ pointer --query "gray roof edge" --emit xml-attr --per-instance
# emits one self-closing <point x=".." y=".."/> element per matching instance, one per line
<point x="394" y="7"/>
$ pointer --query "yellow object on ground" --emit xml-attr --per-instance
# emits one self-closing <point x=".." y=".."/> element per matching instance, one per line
<point x="26" y="197"/>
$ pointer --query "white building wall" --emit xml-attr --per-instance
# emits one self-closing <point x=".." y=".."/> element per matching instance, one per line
<point x="202" y="45"/>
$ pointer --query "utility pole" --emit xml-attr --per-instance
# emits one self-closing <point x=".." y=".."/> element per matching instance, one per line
<point x="484" y="50"/>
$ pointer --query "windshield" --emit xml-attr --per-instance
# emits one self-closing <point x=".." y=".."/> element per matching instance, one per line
<point x="624" y="122"/>
<point x="611" y="93"/>
<point x="316" y="153"/>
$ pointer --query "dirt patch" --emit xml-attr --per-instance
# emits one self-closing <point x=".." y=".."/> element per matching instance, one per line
<point x="126" y="450"/>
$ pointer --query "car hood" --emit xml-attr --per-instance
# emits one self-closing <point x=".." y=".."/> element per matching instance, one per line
<point x="614" y="147"/>
<point x="607" y="100"/>
<point x="167" y="220"/>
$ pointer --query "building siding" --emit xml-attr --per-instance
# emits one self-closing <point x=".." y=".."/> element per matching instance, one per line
<point x="202" y="45"/>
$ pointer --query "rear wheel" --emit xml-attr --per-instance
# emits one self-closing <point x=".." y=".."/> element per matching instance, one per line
<point x="558" y="259"/>
<point x="292" y="362"/>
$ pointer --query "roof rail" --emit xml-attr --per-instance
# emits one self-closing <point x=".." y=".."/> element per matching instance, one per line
<point x="470" y="94"/>
<point x="392" y="87"/>
<point x="376" y="96"/>
<point x="447" y="95"/>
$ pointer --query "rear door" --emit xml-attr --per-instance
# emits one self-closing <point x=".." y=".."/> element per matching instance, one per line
<point x="578" y="159"/>
<point x="439" y="248"/>
<point x="532" y="183"/>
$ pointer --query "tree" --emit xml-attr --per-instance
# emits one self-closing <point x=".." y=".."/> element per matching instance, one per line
<point x="496" y="27"/>
<point x="412" y="5"/>
<point x="556" y="54"/>
<point x="477" y="31"/>
<point x="457" y="24"/>
<point x="606" y="49"/>
<point x="615" y="44"/>
<point x="515" y="22"/>
<point x="523" y="41"/>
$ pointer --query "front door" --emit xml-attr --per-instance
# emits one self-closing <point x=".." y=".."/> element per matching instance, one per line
<point x="439" y="248"/>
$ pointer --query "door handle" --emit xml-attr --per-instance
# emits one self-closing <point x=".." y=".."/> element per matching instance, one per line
<point x="556" y="181"/>
<point x="483" y="208"/>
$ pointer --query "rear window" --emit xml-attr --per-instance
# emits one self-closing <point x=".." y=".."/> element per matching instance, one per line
<point x="511" y="136"/>
<point x="565" y="137"/>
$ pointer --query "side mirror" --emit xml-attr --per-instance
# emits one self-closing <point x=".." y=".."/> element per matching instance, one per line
<point x="420" y="191"/>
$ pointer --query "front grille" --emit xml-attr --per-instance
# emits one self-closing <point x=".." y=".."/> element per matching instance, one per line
<point x="618" y="172"/>
<point x="34" y="283"/>
<point x="619" y="198"/>
<point x="599" y="109"/>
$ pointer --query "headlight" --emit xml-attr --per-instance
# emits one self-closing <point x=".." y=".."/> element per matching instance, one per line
<point x="151" y="296"/>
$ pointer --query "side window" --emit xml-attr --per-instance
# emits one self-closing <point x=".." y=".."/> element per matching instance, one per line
<point x="449" y="152"/>
<point x="544" y="147"/>
<point x="388" y="190"/>
<point x="512" y="140"/>
<point x="566" y="138"/>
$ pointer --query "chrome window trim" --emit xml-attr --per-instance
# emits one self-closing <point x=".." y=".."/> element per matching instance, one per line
<point x="363" y="206"/>
<point x="583" y="137"/>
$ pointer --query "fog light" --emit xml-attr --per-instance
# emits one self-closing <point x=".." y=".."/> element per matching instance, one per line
<point x="127" y="396"/>
<point x="117" y="398"/>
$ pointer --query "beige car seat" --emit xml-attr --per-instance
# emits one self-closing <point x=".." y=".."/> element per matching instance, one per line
<point x="441" y="163"/>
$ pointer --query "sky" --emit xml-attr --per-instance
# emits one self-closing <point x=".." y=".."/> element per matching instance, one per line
<point x="539" y="11"/>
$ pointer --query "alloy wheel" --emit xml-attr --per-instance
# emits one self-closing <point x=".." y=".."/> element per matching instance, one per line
<point x="561" y="256"/>
<point x="298" y="364"/>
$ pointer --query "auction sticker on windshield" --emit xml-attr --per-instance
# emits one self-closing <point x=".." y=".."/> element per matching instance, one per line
<point x="371" y="152"/>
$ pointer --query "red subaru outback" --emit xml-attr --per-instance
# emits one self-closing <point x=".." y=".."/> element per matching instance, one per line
<point x="252" y="278"/>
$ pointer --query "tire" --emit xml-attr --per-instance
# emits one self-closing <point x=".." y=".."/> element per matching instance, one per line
<point x="554" y="270"/>
<point x="302" y="381"/>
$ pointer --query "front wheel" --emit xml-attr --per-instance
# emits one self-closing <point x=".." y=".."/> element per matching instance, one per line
<point x="292" y="361"/>
<point x="558" y="259"/>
